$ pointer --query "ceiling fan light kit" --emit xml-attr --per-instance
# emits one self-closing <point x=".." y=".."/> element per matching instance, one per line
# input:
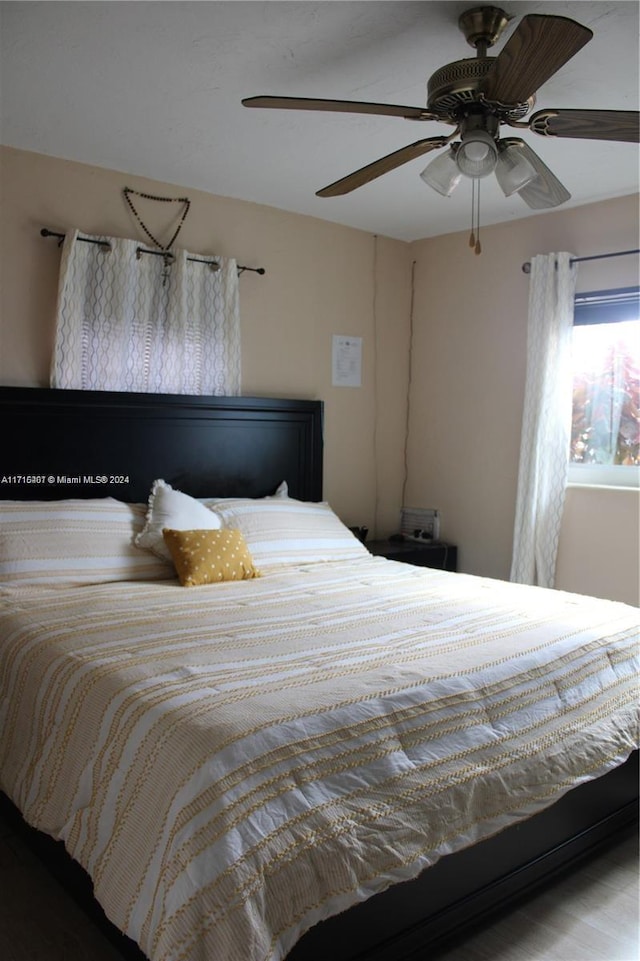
<point x="477" y="155"/>
<point x="443" y="174"/>
<point x="513" y="170"/>
<point x="476" y="96"/>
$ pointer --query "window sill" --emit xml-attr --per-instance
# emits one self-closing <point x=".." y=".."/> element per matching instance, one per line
<point x="620" y="478"/>
<point x="604" y="487"/>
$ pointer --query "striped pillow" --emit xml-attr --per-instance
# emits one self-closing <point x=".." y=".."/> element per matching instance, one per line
<point x="74" y="542"/>
<point x="286" y="531"/>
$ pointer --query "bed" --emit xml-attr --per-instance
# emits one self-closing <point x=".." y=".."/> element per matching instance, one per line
<point x="327" y="754"/>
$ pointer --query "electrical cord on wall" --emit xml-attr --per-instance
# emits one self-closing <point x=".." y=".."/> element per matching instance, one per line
<point x="374" y="310"/>
<point x="408" y="404"/>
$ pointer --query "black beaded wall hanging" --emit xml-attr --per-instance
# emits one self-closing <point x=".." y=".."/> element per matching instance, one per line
<point x="128" y="192"/>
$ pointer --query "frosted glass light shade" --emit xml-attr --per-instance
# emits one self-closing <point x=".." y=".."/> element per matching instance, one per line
<point x="442" y="173"/>
<point x="477" y="154"/>
<point x="513" y="170"/>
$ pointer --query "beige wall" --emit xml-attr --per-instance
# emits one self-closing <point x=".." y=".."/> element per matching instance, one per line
<point x="468" y="346"/>
<point x="467" y="391"/>
<point x="598" y="551"/>
<point x="321" y="279"/>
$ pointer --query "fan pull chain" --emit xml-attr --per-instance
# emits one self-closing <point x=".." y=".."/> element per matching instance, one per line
<point x="474" y="238"/>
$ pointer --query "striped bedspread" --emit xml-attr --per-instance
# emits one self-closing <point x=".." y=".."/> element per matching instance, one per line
<point x="235" y="762"/>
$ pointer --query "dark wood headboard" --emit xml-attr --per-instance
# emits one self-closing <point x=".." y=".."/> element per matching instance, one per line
<point x="59" y="444"/>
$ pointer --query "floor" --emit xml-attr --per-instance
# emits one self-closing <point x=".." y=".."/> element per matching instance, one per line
<point x="589" y="915"/>
<point x="38" y="920"/>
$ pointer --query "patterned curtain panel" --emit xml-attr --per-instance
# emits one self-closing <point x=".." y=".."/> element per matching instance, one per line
<point x="546" y="422"/>
<point x="129" y="322"/>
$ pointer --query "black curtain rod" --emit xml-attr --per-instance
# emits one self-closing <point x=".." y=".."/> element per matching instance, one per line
<point x="578" y="260"/>
<point x="45" y="232"/>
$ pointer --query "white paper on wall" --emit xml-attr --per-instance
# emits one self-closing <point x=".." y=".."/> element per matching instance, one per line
<point x="346" y="361"/>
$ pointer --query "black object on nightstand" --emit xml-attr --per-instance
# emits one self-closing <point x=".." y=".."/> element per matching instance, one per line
<point x="423" y="553"/>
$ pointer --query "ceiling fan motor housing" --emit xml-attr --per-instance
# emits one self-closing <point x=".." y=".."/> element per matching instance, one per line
<point x="455" y="87"/>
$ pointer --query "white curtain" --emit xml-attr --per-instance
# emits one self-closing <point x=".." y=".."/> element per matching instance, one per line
<point x="546" y="422"/>
<point x="129" y="322"/>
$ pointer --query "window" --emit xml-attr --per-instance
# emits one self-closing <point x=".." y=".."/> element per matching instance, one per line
<point x="605" y="435"/>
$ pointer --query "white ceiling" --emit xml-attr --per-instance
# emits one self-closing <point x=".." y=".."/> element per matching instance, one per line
<point x="154" y="88"/>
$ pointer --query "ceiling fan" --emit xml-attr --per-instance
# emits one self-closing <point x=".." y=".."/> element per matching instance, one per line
<point x="477" y="96"/>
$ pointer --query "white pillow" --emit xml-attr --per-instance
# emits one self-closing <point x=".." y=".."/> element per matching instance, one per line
<point x="175" y="510"/>
<point x="75" y="541"/>
<point x="282" y="530"/>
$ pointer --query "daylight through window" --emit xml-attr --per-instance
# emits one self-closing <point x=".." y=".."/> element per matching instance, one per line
<point x="606" y="379"/>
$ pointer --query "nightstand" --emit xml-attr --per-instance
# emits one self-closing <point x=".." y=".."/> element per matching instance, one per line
<point x="423" y="553"/>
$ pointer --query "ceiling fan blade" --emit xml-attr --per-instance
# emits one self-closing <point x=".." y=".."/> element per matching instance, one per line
<point x="382" y="166"/>
<point x="545" y="190"/>
<point x="538" y="47"/>
<point x="621" y="125"/>
<point x="340" y="106"/>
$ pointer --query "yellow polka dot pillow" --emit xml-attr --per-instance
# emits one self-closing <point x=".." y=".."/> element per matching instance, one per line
<point x="209" y="556"/>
